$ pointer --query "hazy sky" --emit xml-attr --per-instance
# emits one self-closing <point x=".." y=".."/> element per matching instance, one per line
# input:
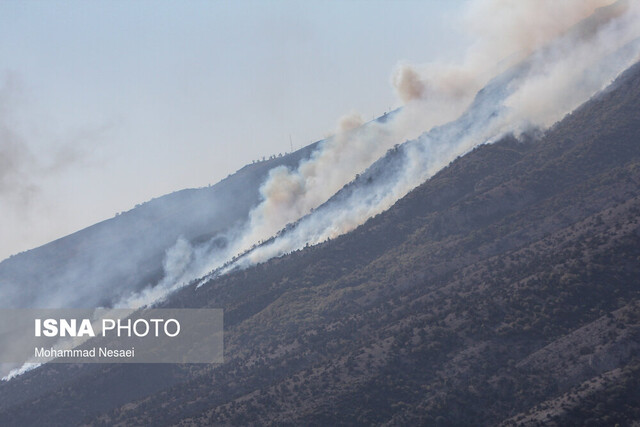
<point x="106" y="104"/>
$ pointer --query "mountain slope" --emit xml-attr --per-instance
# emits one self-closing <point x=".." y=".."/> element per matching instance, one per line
<point x="504" y="289"/>
<point x="88" y="269"/>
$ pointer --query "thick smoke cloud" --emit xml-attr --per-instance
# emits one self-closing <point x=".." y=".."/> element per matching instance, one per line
<point x="408" y="83"/>
<point x="290" y="194"/>
<point x="558" y="85"/>
<point x="535" y="66"/>
<point x="562" y="69"/>
<point x="505" y="33"/>
<point x="506" y="27"/>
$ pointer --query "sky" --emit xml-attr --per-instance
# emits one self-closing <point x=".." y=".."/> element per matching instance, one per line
<point x="107" y="104"/>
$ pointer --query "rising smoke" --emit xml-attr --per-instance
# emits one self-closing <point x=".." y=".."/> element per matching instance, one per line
<point x="535" y="66"/>
<point x="505" y="33"/>
<point x="561" y="69"/>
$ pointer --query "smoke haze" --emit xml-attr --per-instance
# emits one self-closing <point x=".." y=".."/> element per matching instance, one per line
<point x="529" y="67"/>
<point x="552" y="81"/>
<point x="15" y="158"/>
<point x="535" y="66"/>
<point x="34" y="157"/>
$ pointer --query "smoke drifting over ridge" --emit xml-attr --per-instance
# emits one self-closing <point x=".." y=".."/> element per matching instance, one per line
<point x="529" y="78"/>
<point x="534" y="71"/>
<point x="553" y="81"/>
<point x="505" y="33"/>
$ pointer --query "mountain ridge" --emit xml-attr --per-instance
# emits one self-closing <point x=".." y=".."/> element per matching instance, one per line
<point x="438" y="311"/>
<point x="95" y="252"/>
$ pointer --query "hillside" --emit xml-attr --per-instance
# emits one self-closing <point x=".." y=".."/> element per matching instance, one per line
<point x="502" y="291"/>
<point x="87" y="268"/>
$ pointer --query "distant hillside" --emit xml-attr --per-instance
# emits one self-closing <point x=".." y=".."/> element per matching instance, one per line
<point x="98" y="265"/>
<point x="504" y="290"/>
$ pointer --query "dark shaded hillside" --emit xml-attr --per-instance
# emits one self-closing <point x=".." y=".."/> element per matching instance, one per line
<point x="503" y="290"/>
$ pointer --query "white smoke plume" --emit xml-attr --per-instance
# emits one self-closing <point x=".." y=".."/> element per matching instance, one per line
<point x="557" y="86"/>
<point x="505" y="33"/>
<point x="535" y="66"/>
<point x="290" y="194"/>
<point x="506" y="27"/>
<point x="15" y="372"/>
<point x="563" y="69"/>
